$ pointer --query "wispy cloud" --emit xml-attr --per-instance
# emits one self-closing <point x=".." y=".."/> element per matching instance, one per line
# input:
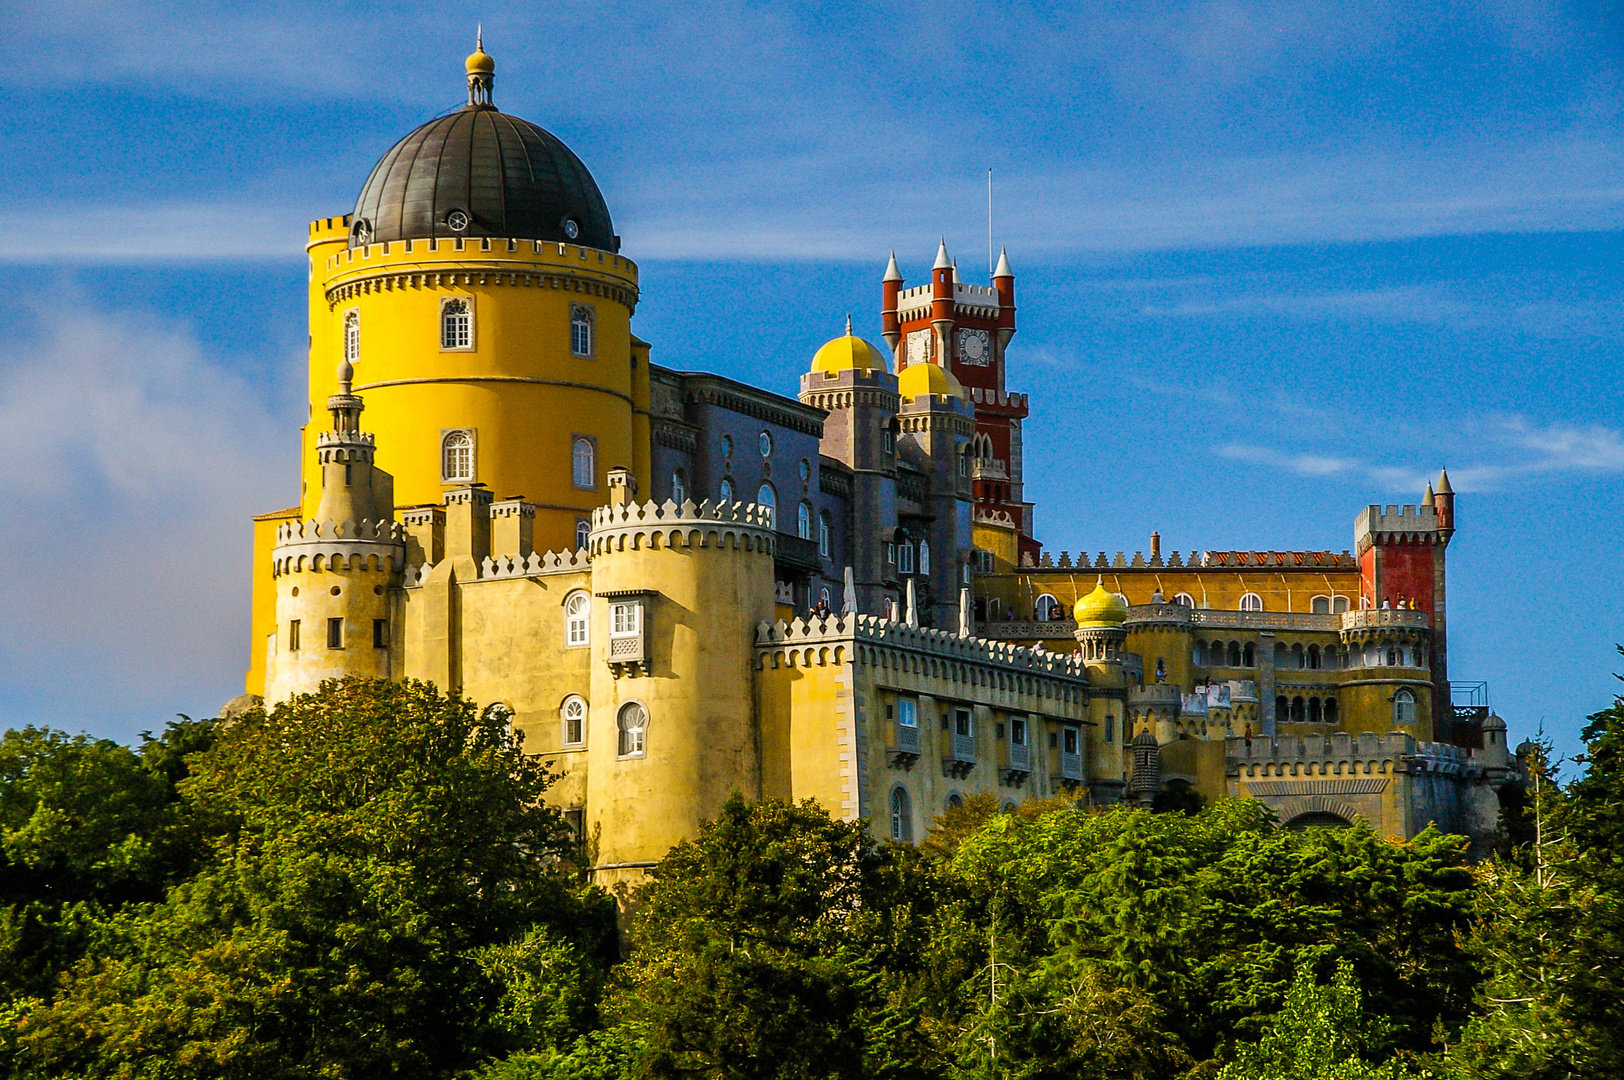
<point x="1500" y="452"/>
<point x="135" y="462"/>
<point x="173" y="232"/>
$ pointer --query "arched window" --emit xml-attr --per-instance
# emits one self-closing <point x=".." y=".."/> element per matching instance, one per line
<point x="1199" y="654"/>
<point x="1043" y="610"/>
<point x="1251" y="602"/>
<point x="1234" y="654"/>
<point x="632" y="725"/>
<point x="767" y="499"/>
<point x="825" y="598"/>
<point x="1280" y="654"/>
<point x="577" y="620"/>
<point x="1249" y="655"/>
<point x="1330" y="710"/>
<point x="924" y="556"/>
<point x="581" y="329"/>
<point x="456" y="323"/>
<point x="1339" y="604"/>
<point x="457" y="457"/>
<point x="1297" y="657"/>
<point x="1320" y="605"/>
<point x="1298" y="713"/>
<point x="1403" y="708"/>
<point x="1313" y="710"/>
<point x="352" y="336"/>
<point x="574" y="716"/>
<point x="1282" y="708"/>
<point x="1314" y="657"/>
<point x="1184" y="598"/>
<point x="954" y="800"/>
<point x="679" y="486"/>
<point x="905" y="555"/>
<point x="803" y="521"/>
<point x="825" y="534"/>
<point x="901" y="816"/>
<point x="583" y="463"/>
<point x="724" y="490"/>
<point x="1392" y="657"/>
<point x="583" y="532"/>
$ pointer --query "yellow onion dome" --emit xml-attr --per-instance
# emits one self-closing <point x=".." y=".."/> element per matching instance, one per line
<point x="480" y="62"/>
<point x="847" y="353"/>
<point x="1100" y="608"/>
<point x="928" y="378"/>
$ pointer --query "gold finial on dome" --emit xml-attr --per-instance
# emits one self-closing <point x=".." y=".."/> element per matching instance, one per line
<point x="481" y="71"/>
<point x="848" y="352"/>
<point x="1100" y="608"/>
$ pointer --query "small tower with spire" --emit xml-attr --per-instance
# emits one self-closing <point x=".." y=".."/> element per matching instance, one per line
<point x="481" y="74"/>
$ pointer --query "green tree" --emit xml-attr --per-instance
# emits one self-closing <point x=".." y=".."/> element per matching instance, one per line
<point x="779" y="943"/>
<point x="380" y="859"/>
<point x="1322" y="1032"/>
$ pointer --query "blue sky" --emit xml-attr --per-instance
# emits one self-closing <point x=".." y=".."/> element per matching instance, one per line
<point x="1275" y="262"/>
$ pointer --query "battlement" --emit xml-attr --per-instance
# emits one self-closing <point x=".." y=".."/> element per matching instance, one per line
<point x="1272" y="560"/>
<point x="997" y="399"/>
<point x="974" y="300"/>
<point x="502" y="567"/>
<point x="1395" y="524"/>
<point x="707" y="524"/>
<point x="1344" y="753"/>
<point x="319" y="546"/>
<point x="850" y="387"/>
<point x="852" y="628"/>
<point x="996" y="518"/>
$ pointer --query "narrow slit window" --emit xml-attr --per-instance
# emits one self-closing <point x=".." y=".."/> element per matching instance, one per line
<point x="335" y="633"/>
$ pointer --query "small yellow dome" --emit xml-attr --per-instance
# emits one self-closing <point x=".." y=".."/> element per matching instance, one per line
<point x="847" y="353"/>
<point x="480" y="63"/>
<point x="1100" y="608"/>
<point x="928" y="378"/>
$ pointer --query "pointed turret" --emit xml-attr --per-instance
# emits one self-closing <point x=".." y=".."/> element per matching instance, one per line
<point x="1443" y="502"/>
<point x="890" y="290"/>
<point x="1003" y="280"/>
<point x="942" y="276"/>
<point x="481" y="73"/>
<point x="942" y="261"/>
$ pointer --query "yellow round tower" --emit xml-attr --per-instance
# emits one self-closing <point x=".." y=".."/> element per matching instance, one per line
<point x="682" y="591"/>
<point x="478" y="291"/>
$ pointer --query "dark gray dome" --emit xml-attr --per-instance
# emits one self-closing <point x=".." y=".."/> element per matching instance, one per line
<point x="493" y="174"/>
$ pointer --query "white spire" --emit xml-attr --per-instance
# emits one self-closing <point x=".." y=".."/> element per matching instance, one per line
<point x="911" y="616"/>
<point x="942" y="261"/>
<point x="848" y="324"/>
<point x="955" y="271"/>
<point x="1003" y="265"/>
<point x="892" y="273"/>
<point x="964" y="612"/>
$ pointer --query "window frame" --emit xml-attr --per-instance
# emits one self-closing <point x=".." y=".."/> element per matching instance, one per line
<point x="467" y="303"/>
<point x="1405" y="701"/>
<point x="446" y="435"/>
<point x="1254" y="598"/>
<point x="590" y="322"/>
<point x="293" y="635"/>
<point x="679" y="486"/>
<point x="908" y="712"/>
<point x="724" y="491"/>
<point x="581" y="619"/>
<point x="350" y="345"/>
<point x="335" y="632"/>
<point x="639" y="749"/>
<point x="632" y="613"/>
<point x="564" y="721"/>
<point x="826" y="535"/>
<point x="577" y="440"/>
<point x="771" y="504"/>
<point x="803" y="520"/>
<point x="583" y="533"/>
<point x="901" y="815"/>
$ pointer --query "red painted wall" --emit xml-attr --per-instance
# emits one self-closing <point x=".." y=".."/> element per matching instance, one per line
<point x="1407" y="573"/>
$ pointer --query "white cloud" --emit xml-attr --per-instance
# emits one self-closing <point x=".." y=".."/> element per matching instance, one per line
<point x="177" y="231"/>
<point x="1499" y="452"/>
<point x="136" y="462"/>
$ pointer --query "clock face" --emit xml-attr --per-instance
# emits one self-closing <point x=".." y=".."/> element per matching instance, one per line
<point x="919" y="346"/>
<point x="975" y="347"/>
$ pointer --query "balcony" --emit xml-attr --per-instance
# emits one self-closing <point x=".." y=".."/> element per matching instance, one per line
<point x="906" y="751"/>
<point x="797" y="554"/>
<point x="1071" y="769"/>
<point x="963" y="759"/>
<point x="1020" y="765"/>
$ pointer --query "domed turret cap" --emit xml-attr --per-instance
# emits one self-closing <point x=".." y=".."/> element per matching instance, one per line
<point x="928" y="378"/>
<point x="847" y="353"/>
<point x="478" y="172"/>
<point x="1101" y="608"/>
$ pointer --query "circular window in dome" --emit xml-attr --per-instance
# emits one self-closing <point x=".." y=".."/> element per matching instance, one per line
<point x="361" y="231"/>
<point x="766" y="442"/>
<point x="571" y="228"/>
<point x="457" y="220"/>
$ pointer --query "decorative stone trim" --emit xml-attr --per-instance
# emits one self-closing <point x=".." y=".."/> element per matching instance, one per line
<point x="328" y="545"/>
<point x="746" y="525"/>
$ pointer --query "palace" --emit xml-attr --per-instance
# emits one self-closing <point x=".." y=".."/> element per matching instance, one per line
<point x="679" y="586"/>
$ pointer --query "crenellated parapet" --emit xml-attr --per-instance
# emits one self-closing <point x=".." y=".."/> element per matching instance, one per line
<point x="705" y="525"/>
<point x="500" y="567"/>
<point x="1345" y="754"/>
<point x="328" y="546"/>
<point x="1396" y="525"/>
<point x="853" y="631"/>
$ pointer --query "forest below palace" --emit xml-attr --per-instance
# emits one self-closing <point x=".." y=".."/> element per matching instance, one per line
<point x="370" y="882"/>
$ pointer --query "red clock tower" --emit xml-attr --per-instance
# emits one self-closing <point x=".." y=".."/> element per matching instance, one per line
<point x="966" y="328"/>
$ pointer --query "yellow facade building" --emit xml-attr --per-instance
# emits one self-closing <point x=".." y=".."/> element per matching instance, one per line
<point x="679" y="586"/>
